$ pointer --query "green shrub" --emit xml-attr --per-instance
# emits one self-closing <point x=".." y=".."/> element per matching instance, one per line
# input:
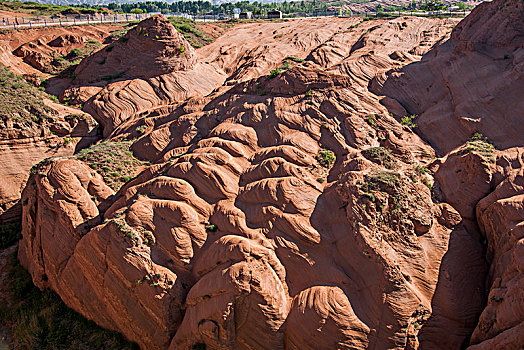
<point x="408" y="121"/>
<point x="75" y="53"/>
<point x="294" y="59"/>
<point x="326" y="158"/>
<point x="370" y="119"/>
<point x="211" y="228"/>
<point x="419" y="169"/>
<point x="381" y="156"/>
<point x="277" y="71"/>
<point x="140" y="129"/>
<point x="274" y="73"/>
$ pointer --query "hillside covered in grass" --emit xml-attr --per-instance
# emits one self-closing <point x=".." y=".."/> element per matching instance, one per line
<point x="19" y="100"/>
<point x="36" y="9"/>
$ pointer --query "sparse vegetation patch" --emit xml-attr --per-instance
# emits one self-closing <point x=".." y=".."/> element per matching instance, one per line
<point x="326" y="158"/>
<point x="191" y="31"/>
<point x="295" y="59"/>
<point x="277" y="71"/>
<point x="480" y="144"/>
<point x="65" y="65"/>
<point x="113" y="160"/>
<point x="408" y="120"/>
<point x="19" y="100"/>
<point x="40" y="320"/>
<point x="381" y="156"/>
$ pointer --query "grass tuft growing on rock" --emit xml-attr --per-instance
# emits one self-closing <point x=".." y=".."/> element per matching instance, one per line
<point x="381" y="156"/>
<point x="382" y="179"/>
<point x="113" y="160"/>
<point x="480" y="144"/>
<point x="191" y="31"/>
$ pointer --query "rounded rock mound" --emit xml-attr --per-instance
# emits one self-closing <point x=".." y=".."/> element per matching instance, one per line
<point x="152" y="48"/>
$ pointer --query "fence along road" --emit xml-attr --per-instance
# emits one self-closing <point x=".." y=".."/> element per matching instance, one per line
<point x="72" y="20"/>
<point x="69" y="20"/>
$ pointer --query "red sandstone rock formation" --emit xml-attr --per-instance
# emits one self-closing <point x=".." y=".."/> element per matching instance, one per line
<point x="472" y="83"/>
<point x="23" y="145"/>
<point x="287" y="212"/>
<point x="152" y="65"/>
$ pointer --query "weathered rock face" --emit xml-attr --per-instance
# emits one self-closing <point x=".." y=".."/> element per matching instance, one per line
<point x="496" y="193"/>
<point x="40" y="55"/>
<point x="22" y="145"/>
<point x="288" y="211"/>
<point x="152" y="65"/>
<point x="472" y="83"/>
<point x="289" y="219"/>
<point x="32" y="51"/>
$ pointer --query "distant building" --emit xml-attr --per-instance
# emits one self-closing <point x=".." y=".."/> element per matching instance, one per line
<point x="236" y="13"/>
<point x="246" y="15"/>
<point x="274" y="14"/>
<point x="453" y="8"/>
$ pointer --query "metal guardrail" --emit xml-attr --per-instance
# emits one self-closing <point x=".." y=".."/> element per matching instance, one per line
<point x="83" y="19"/>
<point x="68" y="20"/>
<point x="215" y="17"/>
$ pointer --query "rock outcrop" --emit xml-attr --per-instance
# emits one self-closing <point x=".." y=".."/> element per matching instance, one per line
<point x="268" y="220"/>
<point x="36" y="50"/>
<point x="33" y="128"/>
<point x="150" y="66"/>
<point x="287" y="208"/>
<point x="471" y="83"/>
<point x="154" y="47"/>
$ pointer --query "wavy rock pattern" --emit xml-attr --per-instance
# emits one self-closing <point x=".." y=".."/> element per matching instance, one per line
<point x="283" y="213"/>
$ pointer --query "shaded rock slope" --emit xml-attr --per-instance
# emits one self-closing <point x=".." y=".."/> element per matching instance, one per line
<point x="283" y="208"/>
<point x="472" y="83"/>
